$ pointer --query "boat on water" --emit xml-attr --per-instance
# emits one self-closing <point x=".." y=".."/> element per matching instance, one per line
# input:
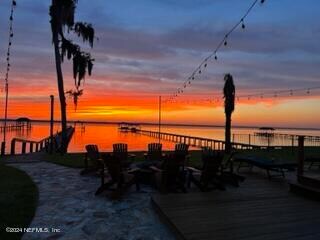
<point x="265" y="132"/>
<point x="129" y="127"/>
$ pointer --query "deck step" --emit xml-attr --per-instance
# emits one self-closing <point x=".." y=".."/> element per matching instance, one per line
<point x="309" y="181"/>
<point x="305" y="190"/>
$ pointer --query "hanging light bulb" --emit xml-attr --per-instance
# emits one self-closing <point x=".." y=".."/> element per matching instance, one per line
<point x="225" y="40"/>
<point x="243" y="26"/>
<point x="308" y="91"/>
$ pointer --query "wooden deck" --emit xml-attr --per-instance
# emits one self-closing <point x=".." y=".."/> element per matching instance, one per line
<point x="258" y="209"/>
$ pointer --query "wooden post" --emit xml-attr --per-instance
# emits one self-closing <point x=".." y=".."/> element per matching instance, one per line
<point x="3" y="148"/>
<point x="292" y="144"/>
<point x="31" y="147"/>
<point x="51" y="123"/>
<point x="13" y="146"/>
<point x="300" y="155"/>
<point x="24" y="144"/>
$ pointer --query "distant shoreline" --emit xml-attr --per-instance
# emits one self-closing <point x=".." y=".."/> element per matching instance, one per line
<point x="172" y="124"/>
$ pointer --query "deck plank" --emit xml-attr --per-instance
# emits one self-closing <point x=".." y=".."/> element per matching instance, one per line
<point x="258" y="210"/>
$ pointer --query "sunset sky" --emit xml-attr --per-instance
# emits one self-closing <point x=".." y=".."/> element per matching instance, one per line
<point x="148" y="48"/>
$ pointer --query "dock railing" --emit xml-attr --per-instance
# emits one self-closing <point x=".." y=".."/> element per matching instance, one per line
<point x="194" y="141"/>
<point x="34" y="146"/>
<point x="29" y="146"/>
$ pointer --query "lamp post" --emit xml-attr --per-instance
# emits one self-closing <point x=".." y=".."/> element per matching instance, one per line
<point x="159" y="118"/>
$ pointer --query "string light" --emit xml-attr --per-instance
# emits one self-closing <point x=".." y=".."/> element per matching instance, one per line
<point x="223" y="42"/>
<point x="6" y="79"/>
<point x="263" y="95"/>
<point x="243" y="26"/>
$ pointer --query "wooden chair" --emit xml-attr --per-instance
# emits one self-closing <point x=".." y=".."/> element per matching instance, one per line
<point x="275" y="166"/>
<point x="117" y="176"/>
<point x="208" y="177"/>
<point x="120" y="151"/>
<point x="92" y="160"/>
<point x="154" y="152"/>
<point x="170" y="176"/>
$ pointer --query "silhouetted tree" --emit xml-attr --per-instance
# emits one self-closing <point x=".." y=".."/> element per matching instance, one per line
<point x="62" y="18"/>
<point x="229" y="97"/>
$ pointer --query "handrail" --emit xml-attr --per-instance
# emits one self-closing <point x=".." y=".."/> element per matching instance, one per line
<point x="39" y="145"/>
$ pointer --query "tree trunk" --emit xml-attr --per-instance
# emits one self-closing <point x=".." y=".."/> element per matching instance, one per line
<point x="62" y="98"/>
<point x="228" y="134"/>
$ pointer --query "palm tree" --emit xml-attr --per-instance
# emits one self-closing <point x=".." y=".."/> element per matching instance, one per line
<point x="62" y="17"/>
<point x="229" y="96"/>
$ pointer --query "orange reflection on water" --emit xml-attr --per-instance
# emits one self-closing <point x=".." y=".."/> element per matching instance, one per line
<point x="106" y="135"/>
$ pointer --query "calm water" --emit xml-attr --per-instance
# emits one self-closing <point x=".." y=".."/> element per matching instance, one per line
<point x="104" y="135"/>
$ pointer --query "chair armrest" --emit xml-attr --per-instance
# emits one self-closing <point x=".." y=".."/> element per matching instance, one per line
<point x="155" y="169"/>
<point x="192" y="169"/>
<point x="133" y="170"/>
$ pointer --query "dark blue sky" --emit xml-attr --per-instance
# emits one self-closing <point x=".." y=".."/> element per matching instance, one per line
<point x="167" y="38"/>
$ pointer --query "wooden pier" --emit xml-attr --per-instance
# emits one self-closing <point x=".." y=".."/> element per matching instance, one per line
<point x="194" y="141"/>
<point x="16" y="127"/>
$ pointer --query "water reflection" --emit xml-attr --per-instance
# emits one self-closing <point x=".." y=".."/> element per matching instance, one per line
<point x="104" y="135"/>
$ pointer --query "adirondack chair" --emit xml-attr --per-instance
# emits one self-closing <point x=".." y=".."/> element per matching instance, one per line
<point x="208" y="177"/>
<point x="118" y="179"/>
<point x="120" y="151"/>
<point x="154" y="152"/>
<point x="170" y="177"/>
<point x="93" y="157"/>
<point x="181" y="152"/>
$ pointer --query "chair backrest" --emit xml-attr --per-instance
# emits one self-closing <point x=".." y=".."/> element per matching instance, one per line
<point x="211" y="163"/>
<point x="92" y="152"/>
<point x="120" y="152"/>
<point x="171" y="169"/>
<point x="114" y="167"/>
<point x="154" y="151"/>
<point x="120" y="148"/>
<point x="181" y="151"/>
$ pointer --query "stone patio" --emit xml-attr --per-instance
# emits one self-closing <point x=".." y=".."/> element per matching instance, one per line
<point x="67" y="203"/>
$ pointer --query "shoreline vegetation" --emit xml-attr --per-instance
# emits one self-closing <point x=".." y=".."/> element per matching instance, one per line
<point x="170" y="124"/>
<point x="18" y="200"/>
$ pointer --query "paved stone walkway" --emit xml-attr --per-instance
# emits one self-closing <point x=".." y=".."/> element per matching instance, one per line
<point x="67" y="202"/>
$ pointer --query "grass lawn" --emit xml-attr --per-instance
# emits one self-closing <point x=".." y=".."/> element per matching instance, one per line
<point x="286" y="154"/>
<point x="18" y="200"/>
